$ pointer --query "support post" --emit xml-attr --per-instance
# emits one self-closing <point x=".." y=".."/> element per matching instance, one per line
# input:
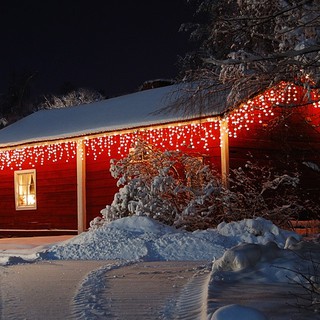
<point x="81" y="186"/>
<point x="224" y="149"/>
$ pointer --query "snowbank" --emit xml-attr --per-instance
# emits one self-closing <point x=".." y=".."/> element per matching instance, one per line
<point x="234" y="311"/>
<point x="267" y="262"/>
<point x="257" y="230"/>
<point x="251" y="265"/>
<point x="142" y="238"/>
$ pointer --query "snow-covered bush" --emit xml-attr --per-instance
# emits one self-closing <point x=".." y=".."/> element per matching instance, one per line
<point x="161" y="185"/>
<point x="309" y="280"/>
<point x="181" y="190"/>
<point x="255" y="191"/>
<point x="270" y="191"/>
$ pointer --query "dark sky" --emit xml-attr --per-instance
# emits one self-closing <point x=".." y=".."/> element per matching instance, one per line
<point x="111" y="45"/>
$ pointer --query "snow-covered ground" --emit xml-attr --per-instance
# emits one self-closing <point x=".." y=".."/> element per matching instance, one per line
<point x="250" y="251"/>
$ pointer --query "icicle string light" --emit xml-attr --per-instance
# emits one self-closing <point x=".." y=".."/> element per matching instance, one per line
<point x="261" y="108"/>
<point x="198" y="136"/>
<point x="180" y="137"/>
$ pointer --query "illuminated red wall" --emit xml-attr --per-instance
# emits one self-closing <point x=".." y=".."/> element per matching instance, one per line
<point x="262" y="128"/>
<point x="56" y="173"/>
<point x="56" y="194"/>
<point x="202" y="140"/>
<point x="271" y="135"/>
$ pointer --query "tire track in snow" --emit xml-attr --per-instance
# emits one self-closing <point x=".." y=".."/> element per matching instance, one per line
<point x="141" y="290"/>
<point x="192" y="303"/>
<point x="90" y="301"/>
<point x="43" y="290"/>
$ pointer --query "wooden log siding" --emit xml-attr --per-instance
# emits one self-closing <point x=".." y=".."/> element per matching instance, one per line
<point x="56" y="194"/>
<point x="7" y="201"/>
<point x="306" y="228"/>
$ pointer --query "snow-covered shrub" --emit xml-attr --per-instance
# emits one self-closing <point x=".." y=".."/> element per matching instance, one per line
<point x="271" y="192"/>
<point x="181" y="190"/>
<point x="255" y="191"/>
<point x="161" y="185"/>
<point x="310" y="283"/>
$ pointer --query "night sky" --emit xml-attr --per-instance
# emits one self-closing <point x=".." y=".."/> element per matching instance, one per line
<point x="108" y="45"/>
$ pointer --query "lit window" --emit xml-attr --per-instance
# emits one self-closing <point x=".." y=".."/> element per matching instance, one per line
<point x="25" y="189"/>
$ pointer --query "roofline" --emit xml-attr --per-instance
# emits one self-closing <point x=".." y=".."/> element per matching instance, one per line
<point x="108" y="133"/>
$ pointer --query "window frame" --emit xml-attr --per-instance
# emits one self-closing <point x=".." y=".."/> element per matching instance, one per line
<point x="18" y="173"/>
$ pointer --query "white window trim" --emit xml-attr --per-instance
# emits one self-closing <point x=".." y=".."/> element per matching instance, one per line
<point x="16" y="188"/>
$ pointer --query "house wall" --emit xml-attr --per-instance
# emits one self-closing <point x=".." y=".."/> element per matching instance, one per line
<point x="56" y="171"/>
<point x="7" y="208"/>
<point x="294" y="132"/>
<point x="266" y="138"/>
<point x="56" y="196"/>
<point x="101" y="186"/>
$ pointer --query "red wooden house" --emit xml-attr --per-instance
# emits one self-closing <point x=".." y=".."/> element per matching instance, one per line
<point x="55" y="163"/>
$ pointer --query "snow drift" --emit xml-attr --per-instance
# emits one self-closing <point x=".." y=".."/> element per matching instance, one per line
<point x="142" y="238"/>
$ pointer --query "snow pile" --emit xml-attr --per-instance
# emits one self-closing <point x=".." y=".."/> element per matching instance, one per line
<point x="266" y="262"/>
<point x="256" y="230"/>
<point x="239" y="312"/>
<point x="296" y="267"/>
<point x="142" y="238"/>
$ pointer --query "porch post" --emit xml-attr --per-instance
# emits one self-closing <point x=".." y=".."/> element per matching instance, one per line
<point x="81" y="186"/>
<point x="224" y="149"/>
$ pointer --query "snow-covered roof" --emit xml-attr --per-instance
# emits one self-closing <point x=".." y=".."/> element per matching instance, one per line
<point x="125" y="112"/>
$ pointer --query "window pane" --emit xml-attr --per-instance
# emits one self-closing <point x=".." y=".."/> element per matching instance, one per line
<point x="25" y="187"/>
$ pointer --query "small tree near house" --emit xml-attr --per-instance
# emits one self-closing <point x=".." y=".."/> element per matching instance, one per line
<point x="156" y="183"/>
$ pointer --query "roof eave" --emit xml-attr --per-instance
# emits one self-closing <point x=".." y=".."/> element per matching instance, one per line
<point x="103" y="132"/>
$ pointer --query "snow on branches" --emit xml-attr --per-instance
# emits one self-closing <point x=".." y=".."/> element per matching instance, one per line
<point x="155" y="183"/>
<point x="251" y="45"/>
